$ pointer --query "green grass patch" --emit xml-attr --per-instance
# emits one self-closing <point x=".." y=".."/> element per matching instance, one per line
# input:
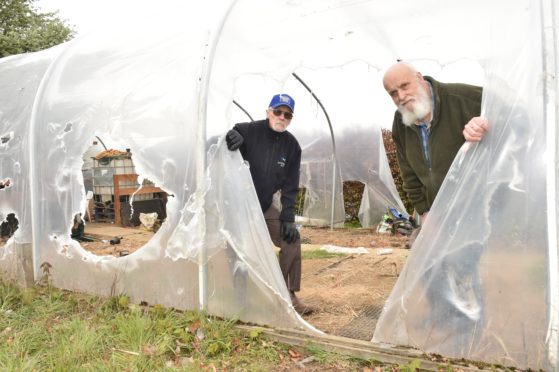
<point x="46" y="329"/>
<point x="353" y="224"/>
<point x="317" y="254"/>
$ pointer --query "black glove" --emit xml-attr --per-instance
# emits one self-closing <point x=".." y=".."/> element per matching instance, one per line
<point x="289" y="231"/>
<point x="234" y="140"/>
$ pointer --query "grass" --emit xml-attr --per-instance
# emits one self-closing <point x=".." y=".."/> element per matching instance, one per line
<point x="319" y="254"/>
<point x="46" y="329"/>
<point x="352" y="224"/>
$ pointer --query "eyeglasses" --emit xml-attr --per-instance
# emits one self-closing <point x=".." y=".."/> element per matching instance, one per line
<point x="286" y="114"/>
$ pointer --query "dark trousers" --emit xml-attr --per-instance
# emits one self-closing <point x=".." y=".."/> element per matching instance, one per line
<point x="290" y="253"/>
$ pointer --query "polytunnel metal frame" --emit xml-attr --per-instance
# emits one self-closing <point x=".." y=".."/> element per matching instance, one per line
<point x="549" y="42"/>
<point x="335" y="158"/>
<point x="243" y="109"/>
<point x="33" y="170"/>
<point x="205" y="77"/>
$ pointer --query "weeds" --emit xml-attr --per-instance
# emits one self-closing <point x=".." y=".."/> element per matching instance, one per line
<point x="352" y="224"/>
<point x="319" y="254"/>
<point x="43" y="328"/>
<point x="320" y="354"/>
<point x="412" y="366"/>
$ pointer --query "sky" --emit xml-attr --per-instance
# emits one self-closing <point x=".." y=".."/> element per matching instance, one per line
<point x="83" y="15"/>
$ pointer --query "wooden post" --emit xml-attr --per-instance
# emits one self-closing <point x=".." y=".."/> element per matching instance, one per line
<point x="128" y="191"/>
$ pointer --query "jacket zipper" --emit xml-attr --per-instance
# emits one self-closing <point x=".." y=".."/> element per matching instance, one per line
<point x="270" y="160"/>
<point x="424" y="137"/>
<point x="424" y="134"/>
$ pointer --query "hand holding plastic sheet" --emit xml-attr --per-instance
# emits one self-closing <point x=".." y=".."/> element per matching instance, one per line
<point x="476" y="129"/>
<point x="289" y="231"/>
<point x="234" y="140"/>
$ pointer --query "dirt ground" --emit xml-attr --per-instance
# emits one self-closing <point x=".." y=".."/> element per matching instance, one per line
<point x="130" y="239"/>
<point x="347" y="291"/>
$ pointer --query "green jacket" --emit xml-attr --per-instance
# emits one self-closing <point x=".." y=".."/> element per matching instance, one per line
<point x="455" y="105"/>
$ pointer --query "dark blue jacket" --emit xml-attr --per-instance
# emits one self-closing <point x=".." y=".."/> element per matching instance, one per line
<point x="275" y="160"/>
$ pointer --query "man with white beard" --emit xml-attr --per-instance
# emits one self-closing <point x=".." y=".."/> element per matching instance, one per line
<point x="431" y="123"/>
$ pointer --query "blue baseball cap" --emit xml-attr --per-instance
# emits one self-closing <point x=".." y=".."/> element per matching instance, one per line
<point x="282" y="100"/>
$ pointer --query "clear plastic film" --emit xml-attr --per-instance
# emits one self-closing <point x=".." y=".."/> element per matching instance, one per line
<point x="141" y="88"/>
<point x="20" y="80"/>
<point x="477" y="283"/>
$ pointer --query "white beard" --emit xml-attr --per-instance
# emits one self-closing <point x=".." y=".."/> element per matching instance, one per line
<point x="278" y="128"/>
<point x="421" y="108"/>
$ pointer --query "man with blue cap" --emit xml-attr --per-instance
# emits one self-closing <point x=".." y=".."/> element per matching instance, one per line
<point x="274" y="156"/>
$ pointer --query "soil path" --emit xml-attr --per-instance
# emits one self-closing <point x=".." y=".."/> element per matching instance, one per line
<point x="349" y="291"/>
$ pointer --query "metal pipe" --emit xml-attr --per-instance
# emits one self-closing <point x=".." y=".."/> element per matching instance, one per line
<point x="243" y="110"/>
<point x="203" y="89"/>
<point x="333" y="147"/>
<point x="101" y="142"/>
<point x="549" y="51"/>
<point x="36" y="203"/>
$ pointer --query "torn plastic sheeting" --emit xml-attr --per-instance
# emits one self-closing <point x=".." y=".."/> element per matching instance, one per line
<point x="142" y="86"/>
<point x="477" y="256"/>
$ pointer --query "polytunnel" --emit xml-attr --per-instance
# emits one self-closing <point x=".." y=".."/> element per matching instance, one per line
<point x="481" y="281"/>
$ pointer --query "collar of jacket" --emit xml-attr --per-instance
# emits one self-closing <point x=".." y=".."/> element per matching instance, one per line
<point x="436" y="90"/>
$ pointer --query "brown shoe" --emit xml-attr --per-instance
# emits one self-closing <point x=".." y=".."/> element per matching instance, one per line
<point x="299" y="306"/>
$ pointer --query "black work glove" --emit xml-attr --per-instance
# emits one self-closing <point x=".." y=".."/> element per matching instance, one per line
<point x="289" y="231"/>
<point x="234" y="140"/>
